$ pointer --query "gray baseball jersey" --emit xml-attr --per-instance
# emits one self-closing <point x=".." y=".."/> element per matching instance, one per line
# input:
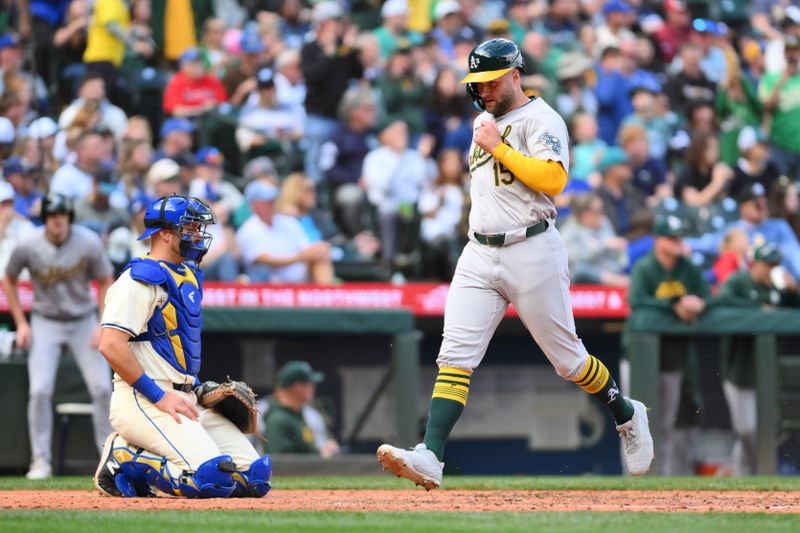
<point x="501" y="202"/>
<point x="61" y="274"/>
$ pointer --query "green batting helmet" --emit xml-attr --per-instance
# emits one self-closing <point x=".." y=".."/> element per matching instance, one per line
<point x="490" y="60"/>
<point x="57" y="203"/>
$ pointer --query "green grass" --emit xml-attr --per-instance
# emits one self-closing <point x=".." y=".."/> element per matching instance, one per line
<point x="273" y="521"/>
<point x="783" y="483"/>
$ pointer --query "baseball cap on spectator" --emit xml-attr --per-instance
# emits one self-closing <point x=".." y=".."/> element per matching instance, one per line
<point x="163" y="170"/>
<point x="768" y="253"/>
<point x="209" y="156"/>
<point x="260" y="191"/>
<point x="326" y="11"/>
<point x="106" y="178"/>
<point x="668" y="226"/>
<point x="265" y="77"/>
<point x="7" y="132"/>
<point x="749" y="137"/>
<point x="140" y="202"/>
<point x="250" y="42"/>
<point x="572" y="65"/>
<point x="260" y="166"/>
<point x="613" y="155"/>
<point x="6" y="192"/>
<point x="791" y="42"/>
<point x="42" y="127"/>
<point x="176" y="124"/>
<point x="190" y="54"/>
<point x="498" y="27"/>
<point x="15" y="165"/>
<point x="753" y="192"/>
<point x="617" y="6"/>
<point x="185" y="159"/>
<point x="394" y="8"/>
<point x="8" y="40"/>
<point x="446" y="7"/>
<point x="298" y="372"/>
<point x="465" y="34"/>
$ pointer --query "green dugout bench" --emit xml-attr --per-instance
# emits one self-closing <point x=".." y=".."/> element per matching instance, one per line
<point x="777" y="376"/>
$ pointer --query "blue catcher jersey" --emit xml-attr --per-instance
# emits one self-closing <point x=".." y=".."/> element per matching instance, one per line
<point x="174" y="330"/>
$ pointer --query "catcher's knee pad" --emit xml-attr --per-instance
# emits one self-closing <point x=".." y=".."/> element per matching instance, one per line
<point x="255" y="481"/>
<point x="213" y="479"/>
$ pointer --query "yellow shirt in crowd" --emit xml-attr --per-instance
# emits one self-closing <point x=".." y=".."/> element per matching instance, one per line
<point x="101" y="44"/>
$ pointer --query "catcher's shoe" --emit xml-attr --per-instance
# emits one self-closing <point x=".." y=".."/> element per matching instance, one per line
<point x="419" y="464"/>
<point x="637" y="440"/>
<point x="109" y="479"/>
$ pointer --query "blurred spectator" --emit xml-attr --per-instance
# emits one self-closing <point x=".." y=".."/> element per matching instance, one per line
<point x="783" y="203"/>
<point x="93" y="89"/>
<point x="649" y="173"/>
<point x="265" y="125"/>
<point x="212" y="47"/>
<point x="210" y="185"/>
<point x="192" y="92"/>
<point x="612" y="90"/>
<point x="441" y="206"/>
<point x="575" y="96"/>
<point x="766" y="286"/>
<point x="403" y="94"/>
<point x="732" y="254"/>
<point x="560" y="23"/>
<point x="138" y="130"/>
<point x="689" y="85"/>
<point x="619" y="15"/>
<point x="329" y="63"/>
<point x="705" y="178"/>
<point x="289" y="80"/>
<point x="95" y="210"/>
<point x="777" y="91"/>
<point x="666" y="280"/>
<point x="106" y="42"/>
<point x="163" y="179"/>
<point x="520" y="18"/>
<point x="394" y="175"/>
<point x="74" y="180"/>
<point x="293" y="25"/>
<point x="7" y="135"/>
<point x="134" y="161"/>
<point x="13" y="229"/>
<point x="286" y="425"/>
<point x="274" y="247"/>
<point x="448" y="108"/>
<point x="369" y="55"/>
<point x="645" y="114"/>
<point x="27" y="199"/>
<point x="596" y="254"/>
<point x="15" y="79"/>
<point x="38" y="144"/>
<point x="675" y="30"/>
<point x="774" y="21"/>
<point x="737" y="106"/>
<point x="342" y="159"/>
<point x="640" y="236"/>
<point x="448" y="20"/>
<point x="620" y="198"/>
<point x="298" y="199"/>
<point x="176" y="137"/>
<point x="240" y="73"/>
<point x="588" y="150"/>
<point x="70" y="44"/>
<point x="394" y="27"/>
<point x="753" y="165"/>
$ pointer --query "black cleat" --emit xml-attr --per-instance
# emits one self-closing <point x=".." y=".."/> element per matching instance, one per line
<point x="110" y="480"/>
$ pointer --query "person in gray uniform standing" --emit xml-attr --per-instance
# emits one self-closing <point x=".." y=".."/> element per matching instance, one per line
<point x="62" y="260"/>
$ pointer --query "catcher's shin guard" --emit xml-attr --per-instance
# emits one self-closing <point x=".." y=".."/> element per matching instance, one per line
<point x="255" y="481"/>
<point x="213" y="479"/>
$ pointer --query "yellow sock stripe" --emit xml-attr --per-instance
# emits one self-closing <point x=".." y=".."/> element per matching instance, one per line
<point x="456" y="371"/>
<point x="449" y="391"/>
<point x="588" y="371"/>
<point x="597" y="384"/>
<point x="451" y="379"/>
<point x="444" y="396"/>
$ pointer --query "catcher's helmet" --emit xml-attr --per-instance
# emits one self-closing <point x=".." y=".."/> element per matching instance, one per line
<point x="57" y="203"/>
<point x="488" y="61"/>
<point x="188" y="216"/>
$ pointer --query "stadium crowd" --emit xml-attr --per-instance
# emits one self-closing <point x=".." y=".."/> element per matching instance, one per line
<point x="331" y="138"/>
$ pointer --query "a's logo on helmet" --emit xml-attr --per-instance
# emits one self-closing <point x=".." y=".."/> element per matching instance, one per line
<point x="473" y="62"/>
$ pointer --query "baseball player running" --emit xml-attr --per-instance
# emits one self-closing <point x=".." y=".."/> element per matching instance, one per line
<point x="151" y="338"/>
<point x="62" y="259"/>
<point x="519" y="159"/>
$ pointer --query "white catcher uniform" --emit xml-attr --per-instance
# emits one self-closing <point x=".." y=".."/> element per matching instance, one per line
<point x="528" y="272"/>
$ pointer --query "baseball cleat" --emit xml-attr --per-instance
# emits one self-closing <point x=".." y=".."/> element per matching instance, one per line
<point x="109" y="479"/>
<point x="419" y="464"/>
<point x="40" y="469"/>
<point x="637" y="440"/>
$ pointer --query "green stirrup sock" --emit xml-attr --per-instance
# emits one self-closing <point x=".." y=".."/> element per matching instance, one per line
<point x="447" y="403"/>
<point x="597" y="381"/>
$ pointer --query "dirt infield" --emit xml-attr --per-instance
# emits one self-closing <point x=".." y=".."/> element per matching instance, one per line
<point x="419" y="500"/>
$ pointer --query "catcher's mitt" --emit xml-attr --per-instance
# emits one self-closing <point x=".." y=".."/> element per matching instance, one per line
<point x="232" y="399"/>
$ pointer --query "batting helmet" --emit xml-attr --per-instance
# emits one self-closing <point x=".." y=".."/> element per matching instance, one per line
<point x="188" y="216"/>
<point x="57" y="203"/>
<point x="488" y="61"/>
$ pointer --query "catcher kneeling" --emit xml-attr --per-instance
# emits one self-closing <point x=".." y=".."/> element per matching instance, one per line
<point x="172" y="432"/>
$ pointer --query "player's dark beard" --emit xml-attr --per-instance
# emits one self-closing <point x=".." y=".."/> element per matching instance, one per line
<point x="501" y="107"/>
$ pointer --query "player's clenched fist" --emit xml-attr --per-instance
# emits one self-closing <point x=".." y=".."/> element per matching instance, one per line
<point x="487" y="135"/>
